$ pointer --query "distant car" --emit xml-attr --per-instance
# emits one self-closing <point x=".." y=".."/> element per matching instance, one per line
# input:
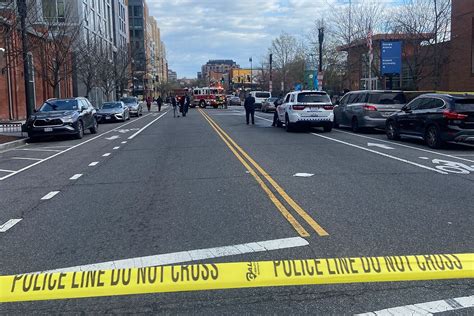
<point x="367" y="109"/>
<point x="260" y="97"/>
<point x="306" y="108"/>
<point x="113" y="111"/>
<point x="63" y="117"/>
<point x="134" y="106"/>
<point x="437" y="118"/>
<point x="269" y="104"/>
<point x="234" y="100"/>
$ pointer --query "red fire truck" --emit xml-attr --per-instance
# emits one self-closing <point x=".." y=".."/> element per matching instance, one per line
<point x="208" y="96"/>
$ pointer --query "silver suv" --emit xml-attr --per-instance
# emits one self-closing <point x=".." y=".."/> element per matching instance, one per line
<point x="367" y="109"/>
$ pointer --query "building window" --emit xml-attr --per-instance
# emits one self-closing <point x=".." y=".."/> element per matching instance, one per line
<point x="54" y="10"/>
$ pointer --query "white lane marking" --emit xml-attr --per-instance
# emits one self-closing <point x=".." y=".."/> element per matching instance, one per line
<point x="379" y="145"/>
<point x="50" y="195"/>
<point x="263" y="118"/>
<point x="113" y="137"/>
<point x="303" y="174"/>
<point x="38" y="149"/>
<point x="124" y="142"/>
<point x="380" y="153"/>
<point x="25" y="158"/>
<point x="146" y="126"/>
<point x="92" y="164"/>
<point x="115" y="148"/>
<point x="106" y="154"/>
<point x="66" y="150"/>
<point x="463" y="155"/>
<point x="192" y="255"/>
<point x="428" y="308"/>
<point x="76" y="176"/>
<point x="402" y="145"/>
<point x="9" y="224"/>
<point x="5" y="170"/>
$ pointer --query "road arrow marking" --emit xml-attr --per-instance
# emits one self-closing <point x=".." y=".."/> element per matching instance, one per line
<point x="379" y="145"/>
<point x="113" y="137"/>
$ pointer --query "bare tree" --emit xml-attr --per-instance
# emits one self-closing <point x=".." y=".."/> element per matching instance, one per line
<point x="106" y="72"/>
<point x="426" y="24"/>
<point x="87" y="61"/>
<point x="286" y="51"/>
<point x="54" y="44"/>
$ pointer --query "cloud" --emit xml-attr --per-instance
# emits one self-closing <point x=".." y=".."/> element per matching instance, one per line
<point x="195" y="31"/>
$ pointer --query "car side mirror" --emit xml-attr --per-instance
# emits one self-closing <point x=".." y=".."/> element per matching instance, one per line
<point x="406" y="109"/>
<point x="35" y="110"/>
<point x="84" y="108"/>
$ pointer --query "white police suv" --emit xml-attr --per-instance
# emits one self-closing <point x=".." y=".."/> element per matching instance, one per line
<point x="306" y="108"/>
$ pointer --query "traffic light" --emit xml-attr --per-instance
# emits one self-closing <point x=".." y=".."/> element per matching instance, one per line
<point x="222" y="80"/>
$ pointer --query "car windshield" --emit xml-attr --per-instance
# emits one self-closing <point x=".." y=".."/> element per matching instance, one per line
<point x="128" y="100"/>
<point x="387" y="98"/>
<point x="113" y="105"/>
<point x="59" y="105"/>
<point x="313" y="97"/>
<point x="464" y="105"/>
<point x="262" y="95"/>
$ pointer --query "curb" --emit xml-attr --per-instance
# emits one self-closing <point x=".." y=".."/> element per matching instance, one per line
<point x="13" y="144"/>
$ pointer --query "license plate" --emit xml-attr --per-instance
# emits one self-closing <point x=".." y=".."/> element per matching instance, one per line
<point x="387" y="113"/>
<point x="107" y="117"/>
<point x="48" y="129"/>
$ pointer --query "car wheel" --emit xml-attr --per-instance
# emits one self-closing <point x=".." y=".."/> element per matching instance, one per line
<point x="355" y="125"/>
<point x="202" y="105"/>
<point x="128" y="116"/>
<point x="80" y="130"/>
<point x="215" y="106"/>
<point x="288" y="126"/>
<point x="392" y="131"/>
<point x="433" y="137"/>
<point x="95" y="127"/>
<point x="327" y="128"/>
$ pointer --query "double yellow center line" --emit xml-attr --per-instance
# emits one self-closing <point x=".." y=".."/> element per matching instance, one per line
<point x="253" y="167"/>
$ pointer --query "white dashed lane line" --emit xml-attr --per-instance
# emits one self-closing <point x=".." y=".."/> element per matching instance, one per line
<point x="76" y="176"/>
<point x="115" y="148"/>
<point x="124" y="142"/>
<point x="106" y="154"/>
<point x="26" y="158"/>
<point x="50" y="195"/>
<point x="9" y="224"/>
<point x="92" y="164"/>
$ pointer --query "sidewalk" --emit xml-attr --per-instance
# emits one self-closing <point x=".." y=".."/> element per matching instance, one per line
<point x="11" y="138"/>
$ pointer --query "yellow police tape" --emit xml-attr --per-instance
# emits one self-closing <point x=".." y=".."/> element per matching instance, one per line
<point x="49" y="286"/>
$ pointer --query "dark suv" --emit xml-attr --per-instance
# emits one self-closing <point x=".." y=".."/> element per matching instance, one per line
<point x="63" y="117"/>
<point x="437" y="118"/>
<point x="368" y="108"/>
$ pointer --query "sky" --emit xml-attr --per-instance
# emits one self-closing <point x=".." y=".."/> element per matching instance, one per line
<point x="195" y="31"/>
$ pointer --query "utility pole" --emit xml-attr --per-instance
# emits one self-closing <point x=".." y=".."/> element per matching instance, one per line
<point x="251" y="73"/>
<point x="321" y="39"/>
<point x="270" y="84"/>
<point x="22" y="12"/>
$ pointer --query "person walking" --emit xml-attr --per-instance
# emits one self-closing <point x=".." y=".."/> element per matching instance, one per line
<point x="187" y="101"/>
<point x="148" y="103"/>
<point x="159" y="101"/>
<point x="249" y="105"/>
<point x="181" y="105"/>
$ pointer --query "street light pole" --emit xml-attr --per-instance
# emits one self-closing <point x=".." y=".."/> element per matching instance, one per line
<point x="270" y="84"/>
<point x="251" y="73"/>
<point x="22" y="12"/>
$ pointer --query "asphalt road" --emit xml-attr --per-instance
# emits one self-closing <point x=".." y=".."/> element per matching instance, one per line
<point x="161" y="185"/>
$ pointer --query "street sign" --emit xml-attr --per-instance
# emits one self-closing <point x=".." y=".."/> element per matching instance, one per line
<point x="391" y="56"/>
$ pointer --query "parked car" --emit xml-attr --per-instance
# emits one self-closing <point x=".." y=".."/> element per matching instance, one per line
<point x="134" y="106"/>
<point x="62" y="117"/>
<point x="269" y="104"/>
<point x="307" y="109"/>
<point x="113" y="111"/>
<point x="367" y="109"/>
<point x="234" y="100"/>
<point x="437" y="118"/>
<point x="260" y="97"/>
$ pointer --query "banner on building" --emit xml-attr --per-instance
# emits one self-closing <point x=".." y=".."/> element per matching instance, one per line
<point x="391" y="57"/>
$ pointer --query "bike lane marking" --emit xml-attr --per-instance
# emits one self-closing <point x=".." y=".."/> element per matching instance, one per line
<point x="59" y="152"/>
<point x="403" y="145"/>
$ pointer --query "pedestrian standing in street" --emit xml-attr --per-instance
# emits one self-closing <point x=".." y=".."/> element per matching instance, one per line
<point x="148" y="103"/>
<point x="277" y="102"/>
<point x="159" y="101"/>
<point x="187" y="101"/>
<point x="249" y="105"/>
<point x="175" y="106"/>
<point x="181" y="105"/>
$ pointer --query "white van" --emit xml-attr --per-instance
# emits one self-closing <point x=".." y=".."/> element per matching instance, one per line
<point x="260" y="97"/>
